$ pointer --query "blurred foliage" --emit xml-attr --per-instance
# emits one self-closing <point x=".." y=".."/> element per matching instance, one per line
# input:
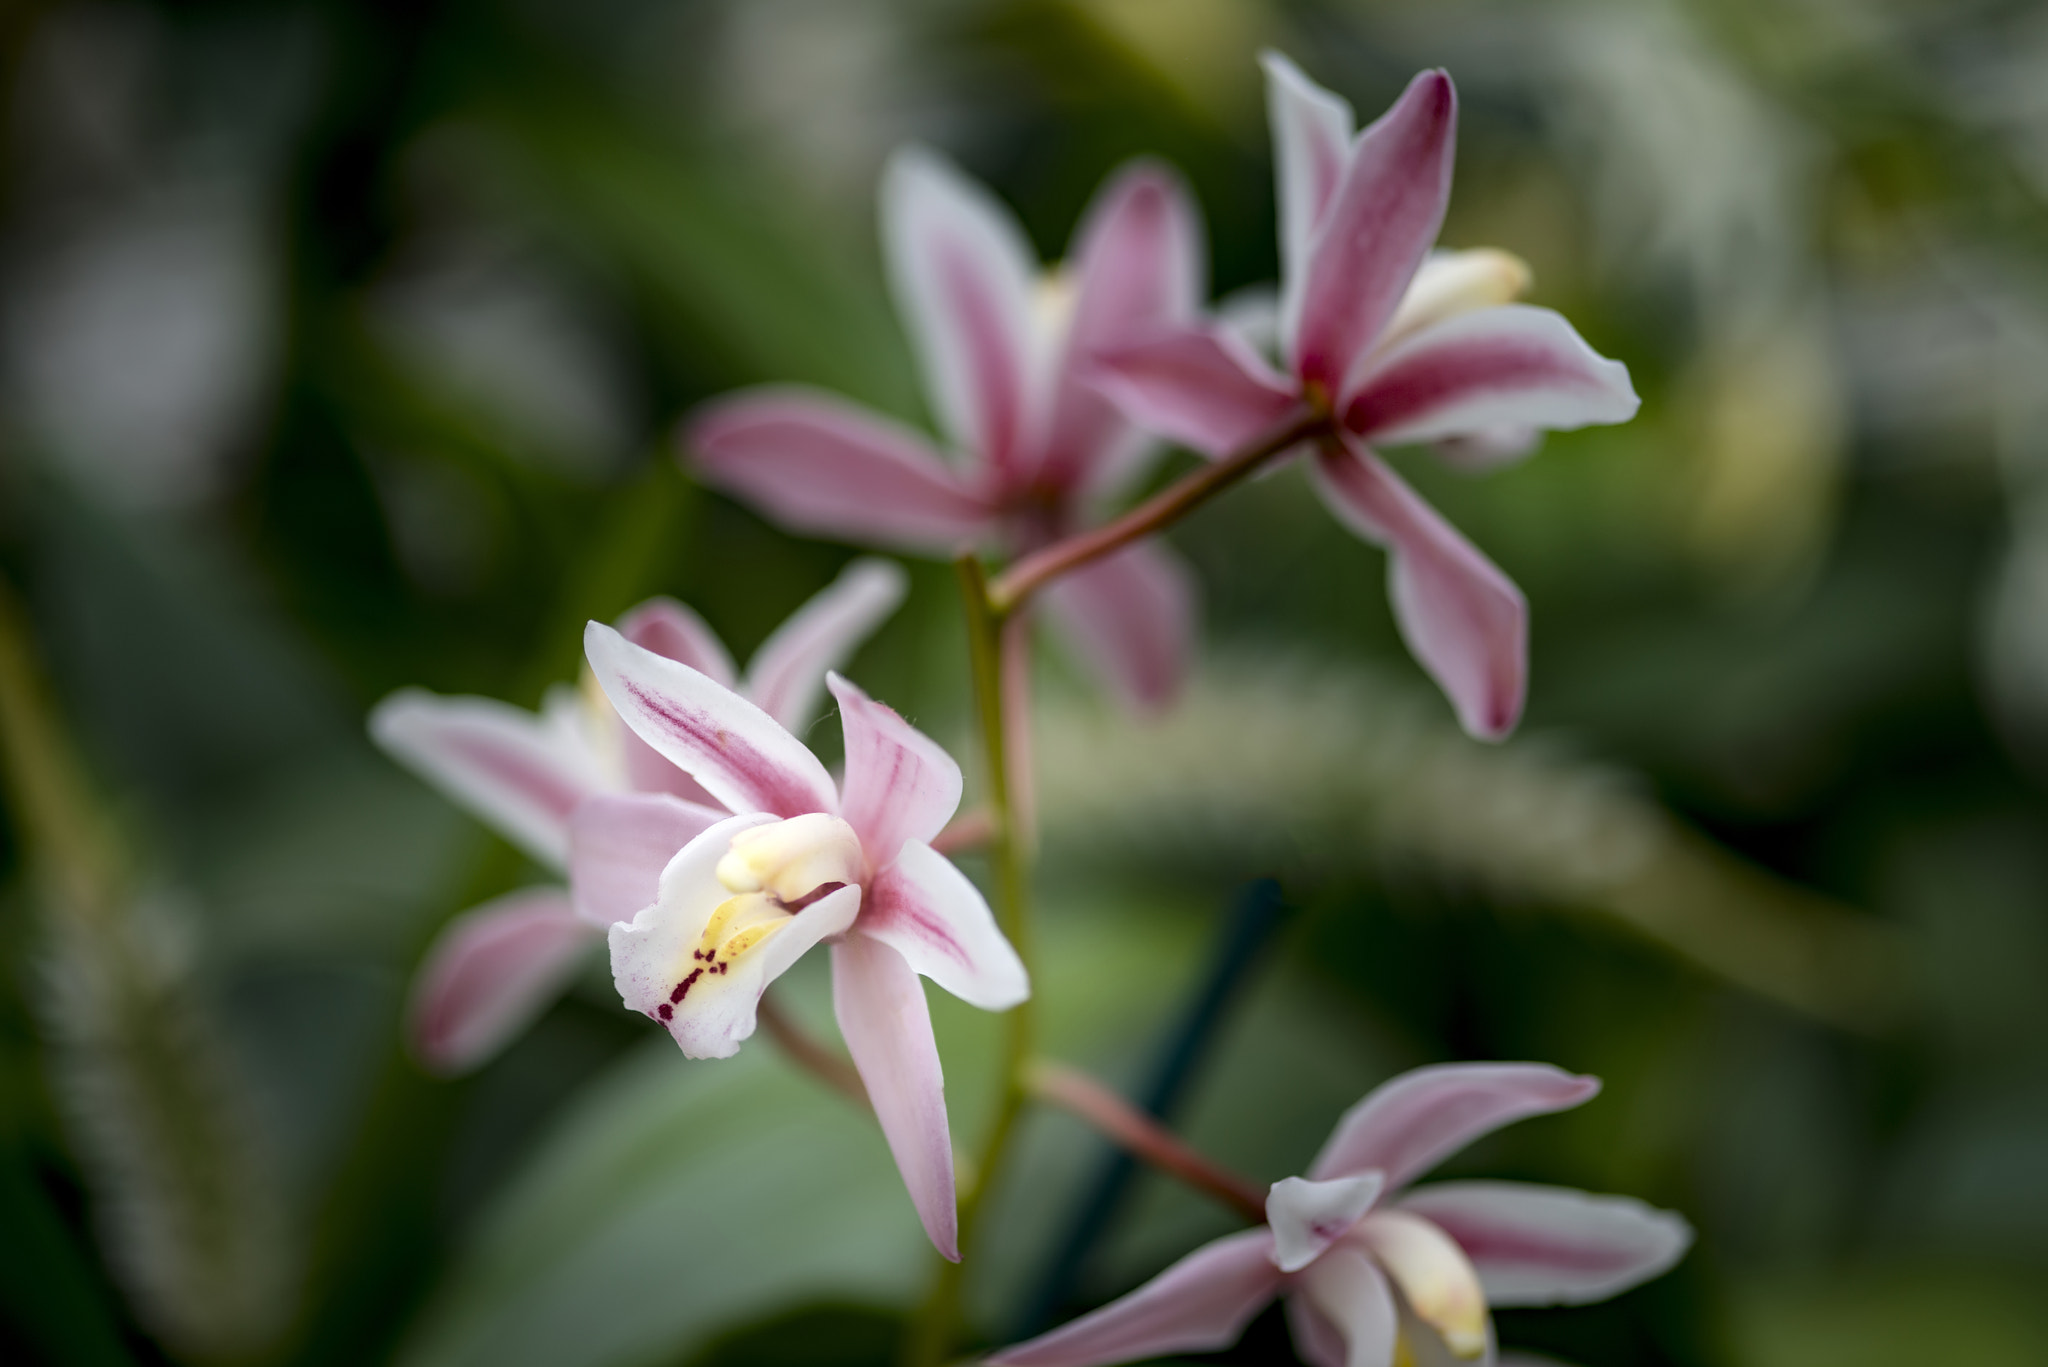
<point x="342" y="343"/>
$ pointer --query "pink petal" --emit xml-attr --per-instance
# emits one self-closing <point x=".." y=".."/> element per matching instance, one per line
<point x="666" y="627"/>
<point x="964" y="276"/>
<point x="1537" y="1245"/>
<point x="900" y="785"/>
<point x="1316" y="1340"/>
<point x="1376" y="231"/>
<point x="1204" y="388"/>
<point x="620" y="842"/>
<point x="1465" y="621"/>
<point x="719" y="738"/>
<point x="506" y="765"/>
<point x="649" y="771"/>
<point x="1311" y="140"/>
<point x="1130" y="617"/>
<point x="1410" y="1124"/>
<point x="787" y="674"/>
<point x="925" y="909"/>
<point x="1202" y="1302"/>
<point x="1353" y="1295"/>
<point x="1307" y="1217"/>
<point x="1512" y="366"/>
<point x="819" y="465"/>
<point x="490" y="973"/>
<point x="1142" y="270"/>
<point x="888" y="1030"/>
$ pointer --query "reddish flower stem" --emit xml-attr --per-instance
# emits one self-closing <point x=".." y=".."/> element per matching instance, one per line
<point x="1126" y="1125"/>
<point x="1014" y="586"/>
<point x="833" y="1069"/>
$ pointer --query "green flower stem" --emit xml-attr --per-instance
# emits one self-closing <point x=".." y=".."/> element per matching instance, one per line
<point x="937" y="1325"/>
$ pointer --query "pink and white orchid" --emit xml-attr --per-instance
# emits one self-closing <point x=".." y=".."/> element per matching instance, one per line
<point x="1396" y="345"/>
<point x="804" y="861"/>
<point x="574" y="776"/>
<point x="1005" y="354"/>
<point x="1376" y="1273"/>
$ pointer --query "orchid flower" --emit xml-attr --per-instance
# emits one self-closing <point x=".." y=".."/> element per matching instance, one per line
<point x="1394" y="345"/>
<point x="1376" y="1273"/>
<point x="539" y="779"/>
<point x="1005" y="354"/>
<point x="806" y="860"/>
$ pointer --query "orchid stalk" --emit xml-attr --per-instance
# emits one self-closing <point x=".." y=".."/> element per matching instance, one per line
<point x="711" y="849"/>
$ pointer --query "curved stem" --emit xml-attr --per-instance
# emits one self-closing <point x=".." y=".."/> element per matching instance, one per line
<point x="1015" y="585"/>
<point x="1124" y="1124"/>
<point x="936" y="1327"/>
<point x="804" y="1049"/>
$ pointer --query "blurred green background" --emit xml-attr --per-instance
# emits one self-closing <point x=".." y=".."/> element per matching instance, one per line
<point x="342" y="346"/>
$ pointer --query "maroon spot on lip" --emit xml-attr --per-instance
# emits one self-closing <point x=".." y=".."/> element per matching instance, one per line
<point x="665" y="1011"/>
<point x="682" y="989"/>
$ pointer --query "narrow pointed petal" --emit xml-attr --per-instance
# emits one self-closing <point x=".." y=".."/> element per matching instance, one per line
<point x="490" y="973"/>
<point x="786" y="677"/>
<point x="1316" y="1341"/>
<point x="717" y="737"/>
<point x="1204" y="388"/>
<point x="1535" y="1245"/>
<point x="1142" y="270"/>
<point x="963" y="275"/>
<point x="1307" y="1217"/>
<point x="620" y="842"/>
<point x="657" y="960"/>
<point x="666" y="627"/>
<point x="1410" y="1124"/>
<point x="900" y="784"/>
<point x="1465" y="621"/>
<point x="1354" y="1297"/>
<point x="506" y="765"/>
<point x="1311" y="141"/>
<point x="1453" y="282"/>
<point x="1508" y="366"/>
<point x="1201" y="1303"/>
<point x="888" y="1030"/>
<point x="821" y="466"/>
<point x="1436" y="1278"/>
<point x="1130" y="617"/>
<point x="925" y="909"/>
<point x="1376" y="231"/>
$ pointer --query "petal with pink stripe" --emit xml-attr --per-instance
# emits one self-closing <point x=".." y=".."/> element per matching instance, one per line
<point x="1376" y="231"/>
<point x="1536" y="1245"/>
<point x="1142" y="269"/>
<point x="888" y="1029"/>
<point x="1408" y="1125"/>
<point x="786" y="677"/>
<point x="900" y="783"/>
<point x="620" y="842"/>
<point x="816" y="464"/>
<point x="1130" y="618"/>
<point x="666" y="627"/>
<point x="1201" y="1303"/>
<point x="963" y="276"/>
<point x="732" y="747"/>
<point x="490" y="973"/>
<point x="1204" y="387"/>
<point x="926" y="909"/>
<point x="505" y="765"/>
<point x="1465" y="621"/>
<point x="1512" y="366"/>
<point x="1311" y="140"/>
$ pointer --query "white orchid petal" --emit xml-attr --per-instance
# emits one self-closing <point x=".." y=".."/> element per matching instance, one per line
<point x="1307" y="1217"/>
